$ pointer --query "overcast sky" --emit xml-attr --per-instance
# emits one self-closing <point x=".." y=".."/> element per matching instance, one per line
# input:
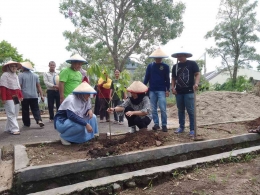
<point x="35" y="28"/>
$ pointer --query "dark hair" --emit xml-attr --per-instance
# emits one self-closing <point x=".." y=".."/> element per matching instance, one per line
<point x="116" y="70"/>
<point x="51" y="62"/>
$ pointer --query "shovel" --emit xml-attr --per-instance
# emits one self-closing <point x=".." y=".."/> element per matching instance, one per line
<point x="196" y="138"/>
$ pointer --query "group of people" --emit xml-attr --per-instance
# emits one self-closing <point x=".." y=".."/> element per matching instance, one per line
<point x="70" y="91"/>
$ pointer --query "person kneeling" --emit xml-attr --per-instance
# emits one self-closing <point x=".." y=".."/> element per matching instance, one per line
<point x="75" y="120"/>
<point x="136" y="108"/>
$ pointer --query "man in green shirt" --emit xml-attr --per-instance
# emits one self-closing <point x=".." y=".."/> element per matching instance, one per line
<point x="70" y="77"/>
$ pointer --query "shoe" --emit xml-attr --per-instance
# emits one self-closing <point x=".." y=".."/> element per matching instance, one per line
<point x="164" y="128"/>
<point x="51" y="120"/>
<point x="192" y="133"/>
<point x="115" y="122"/>
<point x="25" y="127"/>
<point x="108" y="120"/>
<point x="156" y="127"/>
<point x="121" y="123"/>
<point x="179" y="130"/>
<point x="15" y="133"/>
<point x="132" y="129"/>
<point x="41" y="124"/>
<point x="64" y="142"/>
<point x="102" y="121"/>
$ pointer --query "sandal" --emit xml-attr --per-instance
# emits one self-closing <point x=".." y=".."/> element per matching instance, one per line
<point x="257" y="130"/>
<point x="15" y="133"/>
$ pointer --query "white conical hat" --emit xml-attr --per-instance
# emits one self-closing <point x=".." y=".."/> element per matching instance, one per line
<point x="158" y="53"/>
<point x="76" y="57"/>
<point x="27" y="65"/>
<point x="137" y="87"/>
<point x="84" y="88"/>
<point x="4" y="67"/>
<point x="56" y="80"/>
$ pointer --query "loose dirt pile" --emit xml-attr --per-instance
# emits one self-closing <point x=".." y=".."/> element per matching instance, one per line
<point x="216" y="106"/>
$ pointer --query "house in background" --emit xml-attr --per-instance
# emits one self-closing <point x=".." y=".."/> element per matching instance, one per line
<point x="221" y="77"/>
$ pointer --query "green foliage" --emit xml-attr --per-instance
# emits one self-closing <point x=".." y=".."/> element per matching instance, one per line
<point x="8" y="52"/>
<point x="234" y="35"/>
<point x="242" y="84"/>
<point x="109" y="31"/>
<point x="63" y="65"/>
<point x="204" y="84"/>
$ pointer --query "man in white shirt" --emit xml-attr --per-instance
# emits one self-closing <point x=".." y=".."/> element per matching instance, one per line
<point x="53" y="95"/>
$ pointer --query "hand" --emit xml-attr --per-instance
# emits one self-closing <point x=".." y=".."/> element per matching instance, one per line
<point x="61" y="99"/>
<point x="42" y="98"/>
<point x="195" y="87"/>
<point x="3" y="101"/>
<point x="110" y="110"/>
<point x="174" y="91"/>
<point x="89" y="128"/>
<point x="56" y="87"/>
<point x="167" y="93"/>
<point x="90" y="114"/>
<point x="129" y="113"/>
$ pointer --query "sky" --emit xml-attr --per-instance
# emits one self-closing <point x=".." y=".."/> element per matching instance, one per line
<point x="35" y="28"/>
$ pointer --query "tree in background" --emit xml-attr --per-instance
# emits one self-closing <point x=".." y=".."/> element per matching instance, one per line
<point x="234" y="35"/>
<point x="8" y="52"/>
<point x="112" y="30"/>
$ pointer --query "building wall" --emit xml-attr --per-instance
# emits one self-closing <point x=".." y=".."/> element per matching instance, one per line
<point x="222" y="77"/>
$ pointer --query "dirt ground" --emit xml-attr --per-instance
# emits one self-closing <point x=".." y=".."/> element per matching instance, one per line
<point x="55" y="152"/>
<point x="240" y="178"/>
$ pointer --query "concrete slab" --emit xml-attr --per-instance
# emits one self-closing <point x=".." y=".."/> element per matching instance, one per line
<point x="154" y="171"/>
<point x="21" y="159"/>
<point x="37" y="173"/>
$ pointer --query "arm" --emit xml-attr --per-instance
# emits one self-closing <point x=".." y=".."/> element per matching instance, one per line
<point x="147" y="75"/>
<point x="173" y="86"/>
<point x="40" y="90"/>
<point x="3" y="94"/>
<point x="197" y="80"/>
<point x="167" y="81"/>
<point x="61" y="91"/>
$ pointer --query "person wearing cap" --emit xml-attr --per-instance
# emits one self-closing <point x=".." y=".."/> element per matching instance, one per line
<point x="70" y="77"/>
<point x="53" y="95"/>
<point x="185" y="80"/>
<point x="30" y="85"/>
<point x="136" y="108"/>
<point x="104" y="95"/>
<point x="158" y="76"/>
<point x="75" y="120"/>
<point x="11" y="95"/>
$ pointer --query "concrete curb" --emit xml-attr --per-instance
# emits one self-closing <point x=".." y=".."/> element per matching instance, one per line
<point x="149" y="172"/>
<point x="37" y="173"/>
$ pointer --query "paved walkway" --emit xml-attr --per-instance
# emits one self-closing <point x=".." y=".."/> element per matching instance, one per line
<point x="48" y="133"/>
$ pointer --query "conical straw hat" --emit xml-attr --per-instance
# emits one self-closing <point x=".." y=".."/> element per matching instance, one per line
<point x="4" y="67"/>
<point x="84" y="88"/>
<point x="182" y="52"/>
<point x="27" y="65"/>
<point x="56" y="80"/>
<point x="137" y="87"/>
<point x="78" y="58"/>
<point x="158" y="53"/>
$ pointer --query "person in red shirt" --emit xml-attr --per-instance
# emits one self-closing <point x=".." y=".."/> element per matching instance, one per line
<point x="11" y="95"/>
<point x="104" y="94"/>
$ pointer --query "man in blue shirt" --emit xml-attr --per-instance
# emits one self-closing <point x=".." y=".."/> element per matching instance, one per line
<point x="158" y="76"/>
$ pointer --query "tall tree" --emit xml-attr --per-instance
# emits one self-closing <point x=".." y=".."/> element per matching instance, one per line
<point x="8" y="52"/>
<point x="112" y="30"/>
<point x="234" y="34"/>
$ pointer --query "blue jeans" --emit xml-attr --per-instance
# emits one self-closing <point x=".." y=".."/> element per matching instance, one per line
<point x="185" y="101"/>
<point x="158" y="97"/>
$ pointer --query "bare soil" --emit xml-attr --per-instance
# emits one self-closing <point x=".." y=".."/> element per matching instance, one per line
<point x="240" y="178"/>
<point x="55" y="152"/>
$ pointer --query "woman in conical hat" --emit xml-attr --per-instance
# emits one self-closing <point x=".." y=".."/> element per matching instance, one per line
<point x="11" y="95"/>
<point x="136" y="108"/>
<point x="75" y="120"/>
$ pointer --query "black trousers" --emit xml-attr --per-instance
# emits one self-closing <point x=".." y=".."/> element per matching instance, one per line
<point x="26" y="105"/>
<point x="53" y="96"/>
<point x="137" y="120"/>
<point x="116" y="103"/>
<point x="103" y="106"/>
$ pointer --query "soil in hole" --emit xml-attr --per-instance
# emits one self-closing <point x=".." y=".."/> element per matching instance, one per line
<point x="55" y="152"/>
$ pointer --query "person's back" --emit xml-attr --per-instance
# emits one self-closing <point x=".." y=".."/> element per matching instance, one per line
<point x="28" y="81"/>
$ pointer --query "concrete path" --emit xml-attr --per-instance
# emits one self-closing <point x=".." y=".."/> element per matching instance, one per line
<point x="48" y="133"/>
